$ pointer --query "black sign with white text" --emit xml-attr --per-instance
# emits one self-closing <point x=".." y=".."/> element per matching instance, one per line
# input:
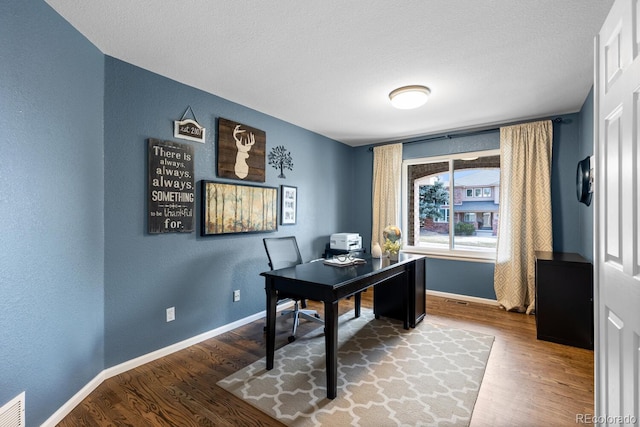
<point x="188" y="129"/>
<point x="171" y="187"/>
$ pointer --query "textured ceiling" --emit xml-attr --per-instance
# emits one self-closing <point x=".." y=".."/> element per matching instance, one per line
<point x="328" y="66"/>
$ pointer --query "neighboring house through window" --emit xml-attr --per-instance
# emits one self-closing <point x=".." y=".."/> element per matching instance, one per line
<point x="456" y="216"/>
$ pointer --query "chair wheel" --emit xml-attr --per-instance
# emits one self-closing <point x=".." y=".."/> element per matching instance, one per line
<point x="291" y="339"/>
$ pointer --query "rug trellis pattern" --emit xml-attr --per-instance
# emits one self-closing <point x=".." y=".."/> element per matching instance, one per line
<point x="387" y="376"/>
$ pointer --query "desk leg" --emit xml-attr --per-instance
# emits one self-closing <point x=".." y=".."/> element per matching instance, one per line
<point x="272" y="300"/>
<point x="331" y="346"/>
<point x="357" y="301"/>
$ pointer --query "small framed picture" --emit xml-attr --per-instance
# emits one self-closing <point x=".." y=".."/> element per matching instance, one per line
<point x="289" y="204"/>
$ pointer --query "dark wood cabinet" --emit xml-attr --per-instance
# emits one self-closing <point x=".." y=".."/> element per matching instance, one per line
<point x="391" y="298"/>
<point x="564" y="299"/>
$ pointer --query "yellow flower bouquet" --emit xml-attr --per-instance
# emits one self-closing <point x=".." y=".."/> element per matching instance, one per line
<point x="392" y="247"/>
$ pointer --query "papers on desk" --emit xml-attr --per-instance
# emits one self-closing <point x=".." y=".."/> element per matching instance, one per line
<point x="344" y="263"/>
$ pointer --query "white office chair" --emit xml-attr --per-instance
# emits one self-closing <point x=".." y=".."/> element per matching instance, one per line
<point x="283" y="252"/>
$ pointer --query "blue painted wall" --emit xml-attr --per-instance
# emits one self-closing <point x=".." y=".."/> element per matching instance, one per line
<point x="473" y="278"/>
<point x="461" y="277"/>
<point x="145" y="274"/>
<point x="563" y="185"/>
<point x="586" y="144"/>
<point x="51" y="207"/>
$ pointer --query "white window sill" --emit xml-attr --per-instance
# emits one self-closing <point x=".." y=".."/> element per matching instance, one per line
<point x="472" y="256"/>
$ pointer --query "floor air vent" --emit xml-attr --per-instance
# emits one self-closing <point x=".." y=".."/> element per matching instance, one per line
<point x="457" y="301"/>
<point x="12" y="414"/>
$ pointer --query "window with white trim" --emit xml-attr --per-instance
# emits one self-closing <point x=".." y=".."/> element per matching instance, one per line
<point x="448" y="207"/>
<point x="444" y="216"/>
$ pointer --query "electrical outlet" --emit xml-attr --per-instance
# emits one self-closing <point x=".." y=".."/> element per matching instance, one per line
<point x="236" y="295"/>
<point x="171" y="314"/>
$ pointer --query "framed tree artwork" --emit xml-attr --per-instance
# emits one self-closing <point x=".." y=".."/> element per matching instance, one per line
<point x="289" y="204"/>
<point x="238" y="208"/>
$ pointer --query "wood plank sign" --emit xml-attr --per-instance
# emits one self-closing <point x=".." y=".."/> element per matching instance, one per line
<point x="171" y="187"/>
<point x="241" y="151"/>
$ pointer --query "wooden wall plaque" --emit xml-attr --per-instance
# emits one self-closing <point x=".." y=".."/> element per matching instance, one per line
<point x="241" y="151"/>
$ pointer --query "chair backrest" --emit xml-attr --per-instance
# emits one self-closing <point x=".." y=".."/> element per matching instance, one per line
<point x="282" y="252"/>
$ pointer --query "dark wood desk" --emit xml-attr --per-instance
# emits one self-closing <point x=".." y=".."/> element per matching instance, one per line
<point x="320" y="282"/>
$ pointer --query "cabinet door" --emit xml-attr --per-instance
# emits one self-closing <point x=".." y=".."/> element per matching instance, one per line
<point x="564" y="306"/>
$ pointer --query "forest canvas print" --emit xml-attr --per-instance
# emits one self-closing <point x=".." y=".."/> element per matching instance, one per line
<point x="238" y="208"/>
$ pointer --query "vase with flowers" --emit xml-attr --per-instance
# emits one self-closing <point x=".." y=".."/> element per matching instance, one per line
<point x="392" y="241"/>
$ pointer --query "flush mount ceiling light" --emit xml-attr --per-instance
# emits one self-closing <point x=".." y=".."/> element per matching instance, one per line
<point x="408" y="97"/>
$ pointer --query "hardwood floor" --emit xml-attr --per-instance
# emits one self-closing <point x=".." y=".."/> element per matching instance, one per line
<point x="527" y="382"/>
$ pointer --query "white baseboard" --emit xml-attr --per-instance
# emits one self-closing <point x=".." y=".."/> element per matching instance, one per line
<point x="463" y="297"/>
<point x="150" y="357"/>
<point x="65" y="409"/>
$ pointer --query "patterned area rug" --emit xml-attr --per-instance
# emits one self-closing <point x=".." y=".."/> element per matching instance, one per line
<point x="387" y="376"/>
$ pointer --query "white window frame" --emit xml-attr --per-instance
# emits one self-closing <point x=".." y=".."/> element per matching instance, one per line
<point x="459" y="254"/>
<point x="446" y="213"/>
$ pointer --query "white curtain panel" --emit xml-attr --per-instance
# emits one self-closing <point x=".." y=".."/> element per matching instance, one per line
<point x="525" y="211"/>
<point x="387" y="173"/>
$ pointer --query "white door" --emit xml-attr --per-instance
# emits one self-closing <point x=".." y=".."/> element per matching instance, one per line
<point x="617" y="231"/>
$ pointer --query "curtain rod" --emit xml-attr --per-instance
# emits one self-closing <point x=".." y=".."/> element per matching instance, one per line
<point x="463" y="133"/>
